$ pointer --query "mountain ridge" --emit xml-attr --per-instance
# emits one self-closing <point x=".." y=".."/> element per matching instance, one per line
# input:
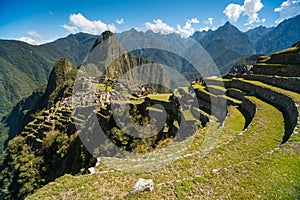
<point x="33" y="63"/>
<point x="226" y="44"/>
<point x="281" y="37"/>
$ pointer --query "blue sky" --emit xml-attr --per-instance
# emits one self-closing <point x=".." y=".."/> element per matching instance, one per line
<point x="42" y="21"/>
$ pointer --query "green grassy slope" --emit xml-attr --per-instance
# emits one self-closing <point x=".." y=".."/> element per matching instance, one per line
<point x="241" y="166"/>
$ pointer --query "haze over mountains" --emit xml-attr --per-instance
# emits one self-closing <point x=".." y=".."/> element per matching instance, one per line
<point x="24" y="67"/>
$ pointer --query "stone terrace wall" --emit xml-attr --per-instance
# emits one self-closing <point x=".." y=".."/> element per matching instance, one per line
<point x="281" y="101"/>
<point x="248" y="108"/>
<point x="212" y="104"/>
<point x="292" y="83"/>
<point x="285" y="58"/>
<point x="285" y="70"/>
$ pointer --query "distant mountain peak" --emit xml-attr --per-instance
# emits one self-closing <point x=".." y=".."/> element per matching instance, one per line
<point x="104" y="36"/>
<point x="227" y="24"/>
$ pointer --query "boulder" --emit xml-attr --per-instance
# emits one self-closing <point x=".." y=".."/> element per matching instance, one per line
<point x="91" y="170"/>
<point x="142" y="185"/>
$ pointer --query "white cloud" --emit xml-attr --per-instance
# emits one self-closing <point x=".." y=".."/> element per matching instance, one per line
<point x="187" y="29"/>
<point x="70" y="28"/>
<point x="288" y="9"/>
<point x="27" y="40"/>
<point x="193" y="20"/>
<point x="36" y="38"/>
<point x="210" y="20"/>
<point x="207" y="28"/>
<point x="250" y="8"/>
<point x="233" y="11"/>
<point x="34" y="34"/>
<point x="120" y="21"/>
<point x="80" y="23"/>
<point x="209" y="25"/>
<point x="159" y="27"/>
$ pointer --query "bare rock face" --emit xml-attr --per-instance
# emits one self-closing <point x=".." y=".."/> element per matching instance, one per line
<point x="142" y="185"/>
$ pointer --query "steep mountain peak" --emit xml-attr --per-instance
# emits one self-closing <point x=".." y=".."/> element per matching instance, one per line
<point x="63" y="72"/>
<point x="228" y="27"/>
<point x="104" y="36"/>
<point x="62" y="67"/>
<point x="225" y="45"/>
<point x="227" y="24"/>
<point x="258" y="32"/>
<point x="64" y="62"/>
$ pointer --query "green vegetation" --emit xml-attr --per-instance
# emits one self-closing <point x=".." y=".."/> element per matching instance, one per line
<point x="31" y="158"/>
<point x="161" y="97"/>
<point x="104" y="87"/>
<point x="60" y="82"/>
<point x="239" y="167"/>
<point x="25" y="67"/>
<point x="44" y="143"/>
<point x="218" y="87"/>
<point x="289" y="50"/>
<point x="225" y="162"/>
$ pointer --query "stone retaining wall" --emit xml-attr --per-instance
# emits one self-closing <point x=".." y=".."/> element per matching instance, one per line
<point x="291" y="83"/>
<point x="285" y="70"/>
<point x="281" y="101"/>
<point x="214" y="105"/>
<point x="248" y="108"/>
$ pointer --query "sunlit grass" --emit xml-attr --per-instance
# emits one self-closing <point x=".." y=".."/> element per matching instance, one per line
<point x="161" y="97"/>
<point x="104" y="87"/>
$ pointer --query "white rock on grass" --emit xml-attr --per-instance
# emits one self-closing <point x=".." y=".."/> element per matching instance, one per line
<point x="91" y="170"/>
<point x="142" y="185"/>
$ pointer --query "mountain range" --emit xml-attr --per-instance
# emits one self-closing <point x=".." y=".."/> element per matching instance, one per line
<point x="24" y="67"/>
